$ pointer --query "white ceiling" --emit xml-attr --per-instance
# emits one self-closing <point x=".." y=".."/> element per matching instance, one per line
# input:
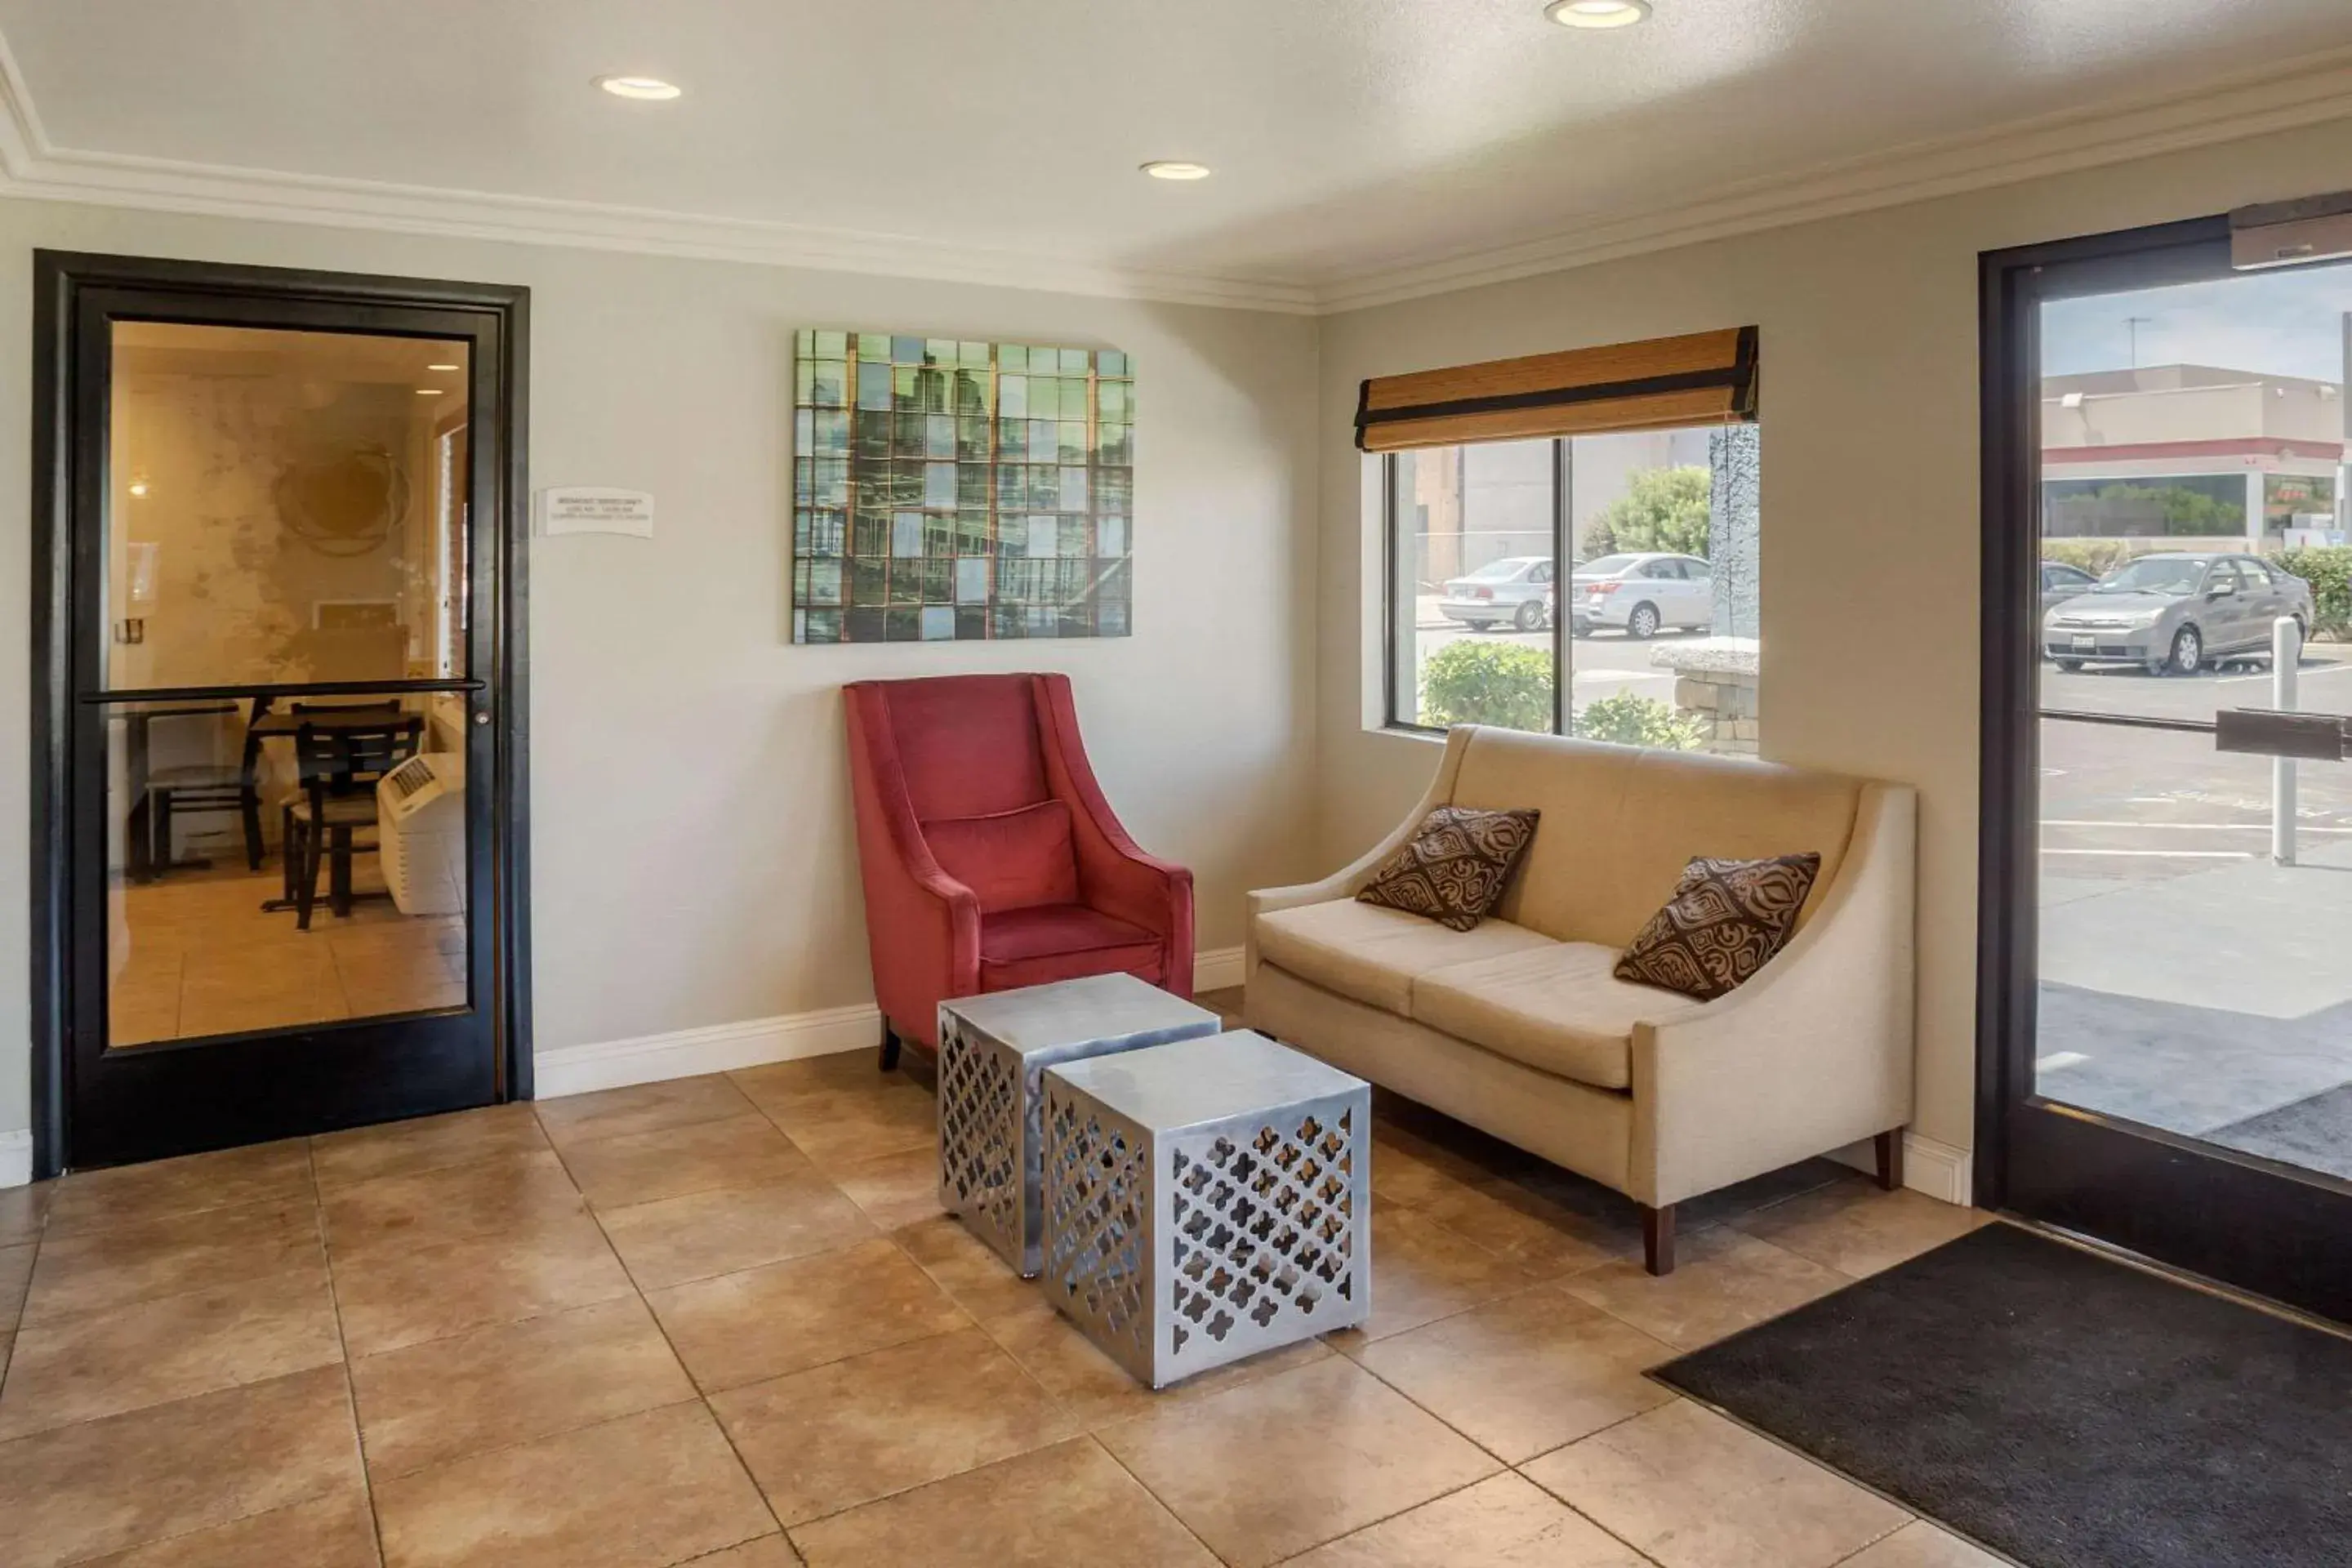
<point x="1358" y="143"/>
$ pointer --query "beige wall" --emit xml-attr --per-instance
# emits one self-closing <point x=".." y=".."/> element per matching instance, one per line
<point x="693" y="863"/>
<point x="1870" y="556"/>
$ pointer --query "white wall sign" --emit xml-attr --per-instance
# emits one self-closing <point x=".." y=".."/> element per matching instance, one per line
<point x="592" y="509"/>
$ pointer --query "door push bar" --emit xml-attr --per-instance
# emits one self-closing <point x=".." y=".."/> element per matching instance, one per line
<point x="2308" y="737"/>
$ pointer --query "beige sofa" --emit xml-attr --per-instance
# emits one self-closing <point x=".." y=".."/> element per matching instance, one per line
<point x="1519" y="1026"/>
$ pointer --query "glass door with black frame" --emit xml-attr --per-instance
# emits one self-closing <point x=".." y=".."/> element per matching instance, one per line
<point x="281" y="740"/>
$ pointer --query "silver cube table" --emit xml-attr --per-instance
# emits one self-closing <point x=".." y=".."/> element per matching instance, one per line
<point x="992" y="1048"/>
<point x="1207" y="1201"/>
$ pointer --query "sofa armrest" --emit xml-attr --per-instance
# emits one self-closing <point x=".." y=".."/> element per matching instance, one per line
<point x="1813" y="1054"/>
<point x="1350" y="879"/>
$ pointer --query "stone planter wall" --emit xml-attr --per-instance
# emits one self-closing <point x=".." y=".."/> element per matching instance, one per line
<point x="1715" y="682"/>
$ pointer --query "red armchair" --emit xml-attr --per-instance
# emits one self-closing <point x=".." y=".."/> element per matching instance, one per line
<point x="991" y="858"/>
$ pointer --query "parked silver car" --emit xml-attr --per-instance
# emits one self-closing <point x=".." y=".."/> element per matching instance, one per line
<point x="1517" y="589"/>
<point x="2174" y="614"/>
<point x="1641" y="594"/>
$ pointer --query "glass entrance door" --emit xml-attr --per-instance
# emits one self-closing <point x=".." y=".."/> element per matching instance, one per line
<point x="2177" y="1073"/>
<point x="284" y="912"/>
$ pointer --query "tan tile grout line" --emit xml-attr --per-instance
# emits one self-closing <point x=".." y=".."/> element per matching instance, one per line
<point x="342" y="1345"/>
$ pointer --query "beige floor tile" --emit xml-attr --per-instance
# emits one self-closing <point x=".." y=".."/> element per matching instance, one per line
<point x="23" y="1210"/>
<point x="1537" y="1231"/>
<point x="642" y="1107"/>
<point x="966" y="1268"/>
<point x="7" y="1349"/>
<point x="1523" y="1375"/>
<point x="857" y="1124"/>
<point x="92" y="1364"/>
<point x="1921" y="1545"/>
<point x="16" y="1274"/>
<point x="645" y="1167"/>
<point x="1096" y="1389"/>
<point x="1725" y="1204"/>
<point x="1058" y="1507"/>
<point x="1725" y="1281"/>
<point x="1422" y="1271"/>
<point x="1692" y="1491"/>
<point x="1503" y="1521"/>
<point x="1265" y="1470"/>
<point x="434" y="1401"/>
<point x="831" y="1438"/>
<point x="411" y="982"/>
<point x="493" y="1197"/>
<point x="338" y="1532"/>
<point x="1857" y="1229"/>
<point x="727" y="1229"/>
<point x="893" y="1190"/>
<point x="230" y="990"/>
<point x="427" y="1143"/>
<point x="768" y="1552"/>
<point x="814" y="1077"/>
<point x="642" y="1491"/>
<point x="261" y="1172"/>
<point x="764" y="1323"/>
<point x="392" y="1297"/>
<point x="1414" y="1171"/>
<point x="90" y="1270"/>
<point x="103" y="1486"/>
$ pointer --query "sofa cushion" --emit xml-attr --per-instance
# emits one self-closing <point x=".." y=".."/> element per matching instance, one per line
<point x="1455" y="865"/>
<point x="1062" y="942"/>
<point x="1010" y="860"/>
<point x="1557" y="1008"/>
<point x="1373" y="953"/>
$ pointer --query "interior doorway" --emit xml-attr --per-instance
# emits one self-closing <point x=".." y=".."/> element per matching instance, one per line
<point x="279" y="814"/>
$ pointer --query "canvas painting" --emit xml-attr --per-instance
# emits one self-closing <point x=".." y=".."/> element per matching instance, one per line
<point x="951" y="491"/>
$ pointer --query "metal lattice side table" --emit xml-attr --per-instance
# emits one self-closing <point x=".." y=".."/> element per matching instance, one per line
<point x="1207" y="1201"/>
<point x="992" y="1049"/>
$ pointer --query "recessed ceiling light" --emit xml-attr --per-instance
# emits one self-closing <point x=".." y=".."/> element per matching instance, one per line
<point x="1597" y="14"/>
<point x="645" y="89"/>
<point x="139" y="489"/>
<point x="441" y="367"/>
<point x="1176" y="169"/>
<point x="428" y="392"/>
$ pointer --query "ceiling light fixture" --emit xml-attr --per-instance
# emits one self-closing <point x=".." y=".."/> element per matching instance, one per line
<point x="644" y="88"/>
<point x="1597" y="13"/>
<point x="428" y="392"/>
<point x="441" y="367"/>
<point x="139" y="488"/>
<point x="1176" y="169"/>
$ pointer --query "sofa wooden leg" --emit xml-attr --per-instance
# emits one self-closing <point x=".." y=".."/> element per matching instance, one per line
<point x="1890" y="1159"/>
<point x="1658" y="1238"/>
<point x="890" y="1047"/>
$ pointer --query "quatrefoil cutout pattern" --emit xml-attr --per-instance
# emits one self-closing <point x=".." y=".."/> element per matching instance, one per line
<point x="980" y="1137"/>
<point x="1265" y="1229"/>
<point x="1098" y="1177"/>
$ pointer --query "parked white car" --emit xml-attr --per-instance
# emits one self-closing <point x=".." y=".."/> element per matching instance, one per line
<point x="1641" y="594"/>
<point x="1517" y="589"/>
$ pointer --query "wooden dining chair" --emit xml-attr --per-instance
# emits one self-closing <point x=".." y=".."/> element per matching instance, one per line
<point x="338" y="767"/>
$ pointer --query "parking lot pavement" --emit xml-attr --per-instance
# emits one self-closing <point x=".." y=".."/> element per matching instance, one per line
<point x="2323" y="681"/>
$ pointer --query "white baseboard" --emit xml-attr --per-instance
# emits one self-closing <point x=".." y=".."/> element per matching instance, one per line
<point x="1938" y="1170"/>
<point x="16" y="1158"/>
<point x="719" y="1047"/>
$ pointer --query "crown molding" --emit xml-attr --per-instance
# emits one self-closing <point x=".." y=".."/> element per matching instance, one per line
<point x="2314" y="91"/>
<point x="2248" y="104"/>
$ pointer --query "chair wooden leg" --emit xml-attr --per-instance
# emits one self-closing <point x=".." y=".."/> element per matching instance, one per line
<point x="305" y="890"/>
<point x="339" y="876"/>
<point x="890" y="1047"/>
<point x="1890" y="1159"/>
<point x="248" y="806"/>
<point x="1658" y="1238"/>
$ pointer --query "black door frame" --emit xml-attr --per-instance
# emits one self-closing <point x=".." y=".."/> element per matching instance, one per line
<point x="63" y="281"/>
<point x="2266" y="1227"/>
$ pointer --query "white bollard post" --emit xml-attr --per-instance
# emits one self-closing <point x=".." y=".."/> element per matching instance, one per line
<point x="2287" y="654"/>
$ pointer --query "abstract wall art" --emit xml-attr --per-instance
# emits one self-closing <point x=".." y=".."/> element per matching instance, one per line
<point x="951" y="491"/>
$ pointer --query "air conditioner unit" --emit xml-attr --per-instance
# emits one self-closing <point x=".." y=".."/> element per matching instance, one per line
<point x="421" y="812"/>
<point x="2286" y="234"/>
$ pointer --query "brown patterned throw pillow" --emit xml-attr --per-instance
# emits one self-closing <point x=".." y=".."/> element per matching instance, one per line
<point x="1455" y="865"/>
<point x="1725" y="921"/>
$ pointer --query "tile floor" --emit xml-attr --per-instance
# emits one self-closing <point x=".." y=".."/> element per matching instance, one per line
<point x="720" y="1322"/>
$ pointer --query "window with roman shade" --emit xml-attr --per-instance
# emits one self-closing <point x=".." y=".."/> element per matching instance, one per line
<point x="1659" y="383"/>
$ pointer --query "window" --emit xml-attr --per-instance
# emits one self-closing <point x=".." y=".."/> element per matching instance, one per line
<point x="1651" y="639"/>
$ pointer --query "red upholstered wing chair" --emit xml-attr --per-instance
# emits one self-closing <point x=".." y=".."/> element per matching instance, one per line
<point x="990" y="857"/>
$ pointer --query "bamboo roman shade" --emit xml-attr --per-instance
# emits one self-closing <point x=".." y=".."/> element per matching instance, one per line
<point x="1704" y="378"/>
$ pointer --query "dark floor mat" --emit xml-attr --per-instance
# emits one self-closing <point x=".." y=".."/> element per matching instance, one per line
<point x="2068" y="1411"/>
<point x="2315" y="1133"/>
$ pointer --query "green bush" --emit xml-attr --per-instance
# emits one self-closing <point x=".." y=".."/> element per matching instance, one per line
<point x="1663" y="509"/>
<point x="2096" y="556"/>
<point x="2328" y="570"/>
<point x="1634" y="721"/>
<point x="1505" y="684"/>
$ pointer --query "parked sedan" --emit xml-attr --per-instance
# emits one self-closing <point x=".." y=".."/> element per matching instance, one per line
<point x="1517" y="589"/>
<point x="2174" y="614"/>
<point x="1640" y="594"/>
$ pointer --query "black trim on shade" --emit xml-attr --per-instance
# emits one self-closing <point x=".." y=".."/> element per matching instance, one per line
<point x="2280" y="1230"/>
<point x="1739" y="377"/>
<point x="290" y="1081"/>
